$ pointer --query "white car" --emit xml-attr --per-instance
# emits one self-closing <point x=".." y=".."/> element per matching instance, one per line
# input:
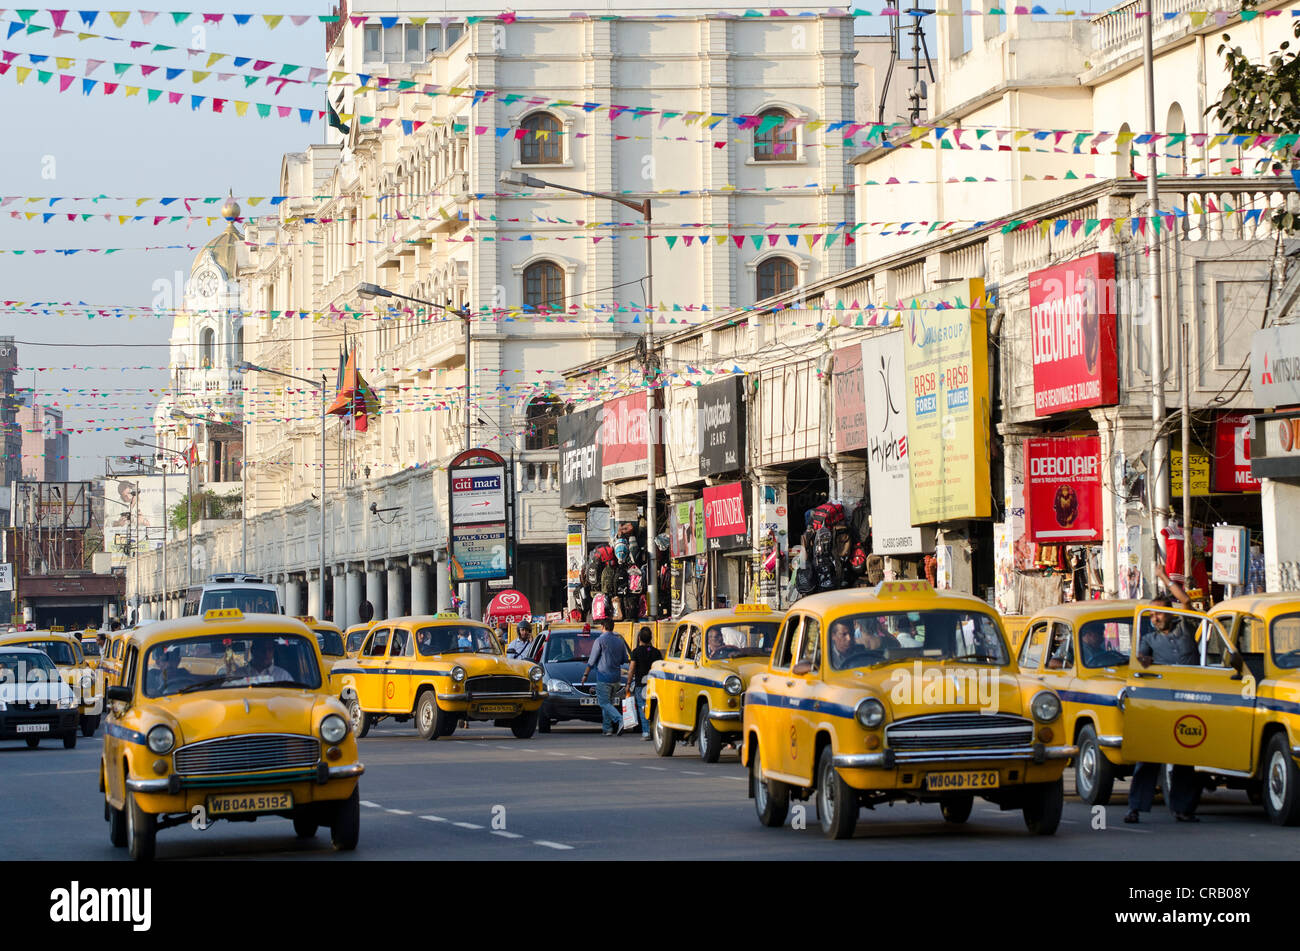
<point x="35" y="703"/>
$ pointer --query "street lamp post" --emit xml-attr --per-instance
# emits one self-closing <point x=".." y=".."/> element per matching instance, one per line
<point x="642" y="208"/>
<point x="189" y="516"/>
<point x="243" y="473"/>
<point x="246" y="367"/>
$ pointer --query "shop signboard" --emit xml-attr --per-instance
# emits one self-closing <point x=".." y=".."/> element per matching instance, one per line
<point x="1200" y="466"/>
<point x="575" y="554"/>
<point x="847" y="387"/>
<point x="480" y="504"/>
<point x="722" y="426"/>
<point x="479" y="495"/>
<point x="1275" y="446"/>
<point x="947" y="398"/>
<point x="479" y="552"/>
<point x="1232" y="455"/>
<point x="1275" y="365"/>
<point x="688" y="537"/>
<point x="683" y="436"/>
<point x="884" y="396"/>
<point x="623" y="436"/>
<point x="1063" y="488"/>
<point x="1231" y="555"/>
<point x="580" y="458"/>
<point x="726" y="516"/>
<point x="1072" y="335"/>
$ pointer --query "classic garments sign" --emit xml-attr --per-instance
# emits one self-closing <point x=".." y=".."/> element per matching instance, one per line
<point x="1063" y="488"/>
<point x="1072" y="333"/>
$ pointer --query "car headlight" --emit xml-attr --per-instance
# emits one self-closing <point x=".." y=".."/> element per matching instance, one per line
<point x="733" y="685"/>
<point x="536" y="674"/>
<point x="869" y="712"/>
<point x="458" y="674"/>
<point x="161" y="739"/>
<point x="66" y="703"/>
<point x="1046" y="706"/>
<point x="558" y="686"/>
<point x="333" y="728"/>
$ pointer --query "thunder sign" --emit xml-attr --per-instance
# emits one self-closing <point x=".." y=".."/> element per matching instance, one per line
<point x="1072" y="335"/>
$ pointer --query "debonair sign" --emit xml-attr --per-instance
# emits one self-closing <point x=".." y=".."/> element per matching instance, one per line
<point x="945" y="336"/>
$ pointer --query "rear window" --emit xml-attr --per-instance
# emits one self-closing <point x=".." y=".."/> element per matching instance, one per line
<point x="331" y="643"/>
<point x="355" y="639"/>
<point x="90" y="648"/>
<point x="248" y="600"/>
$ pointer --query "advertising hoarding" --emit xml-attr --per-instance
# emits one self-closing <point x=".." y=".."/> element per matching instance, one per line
<point x="1230" y="562"/>
<point x="478" y="552"/>
<point x="480" y="533"/>
<point x="478" y="495"/>
<point x="722" y="429"/>
<point x="580" y="458"/>
<point x="726" y="516"/>
<point x="847" y="390"/>
<point x="1072" y="335"/>
<point x="1232" y="455"/>
<point x="1063" y="488"/>
<point x="1275" y="365"/>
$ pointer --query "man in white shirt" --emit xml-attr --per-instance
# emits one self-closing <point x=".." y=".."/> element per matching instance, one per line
<point x="523" y="635"/>
<point x="261" y="665"/>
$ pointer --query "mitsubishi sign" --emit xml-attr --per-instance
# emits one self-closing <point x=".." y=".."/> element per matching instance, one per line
<point x="1275" y="366"/>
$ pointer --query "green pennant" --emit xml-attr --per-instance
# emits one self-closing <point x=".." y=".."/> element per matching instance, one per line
<point x="120" y="68"/>
<point x="757" y="239"/>
<point x="263" y="109"/>
<point x="1089" y="226"/>
<point x="180" y="16"/>
<point x="671" y="239"/>
<point x="249" y="81"/>
<point x="1070" y="174"/>
<point x="152" y="94"/>
<point x="43" y="76"/>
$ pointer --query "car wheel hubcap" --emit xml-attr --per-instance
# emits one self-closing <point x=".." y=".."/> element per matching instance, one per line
<point x="659" y="730"/>
<point x="704" y="730"/>
<point x="426" y="716"/>
<point x="1088" y="766"/>
<point x="828" y="798"/>
<point x="760" y="787"/>
<point x="1277" y="782"/>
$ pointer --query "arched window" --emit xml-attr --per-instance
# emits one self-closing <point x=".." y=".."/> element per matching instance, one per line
<point x="239" y="346"/>
<point x="207" y="348"/>
<point x="771" y="144"/>
<point x="544" y="287"/>
<point x="542" y="420"/>
<point x="545" y="148"/>
<point x="1175" y="159"/>
<point x="1124" y="157"/>
<point x="776" y="276"/>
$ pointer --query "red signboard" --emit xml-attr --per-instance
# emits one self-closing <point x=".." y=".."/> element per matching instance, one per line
<point x="1063" y="489"/>
<point x="725" y="522"/>
<point x="510" y="606"/>
<point x="1072" y="335"/>
<point x="1232" y="455"/>
<point x="623" y="437"/>
<point x="850" y="399"/>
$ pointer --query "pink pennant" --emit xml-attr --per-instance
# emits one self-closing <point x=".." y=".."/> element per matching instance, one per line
<point x="173" y="97"/>
<point x="65" y="82"/>
<point x="213" y="17"/>
<point x="92" y="65"/>
<point x="299" y="20"/>
<point x="218" y="105"/>
<point x="147" y="70"/>
<point x="284" y="111"/>
<point x="57" y="16"/>
<point x="146" y="16"/>
<point x="261" y="64"/>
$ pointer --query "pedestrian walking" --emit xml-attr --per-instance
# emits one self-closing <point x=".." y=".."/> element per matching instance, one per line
<point x="1172" y="641"/>
<point x="608" y="655"/>
<point x="523" y="635"/>
<point x="639" y="672"/>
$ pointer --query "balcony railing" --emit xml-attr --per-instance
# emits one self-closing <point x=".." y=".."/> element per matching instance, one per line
<point x="1121" y="26"/>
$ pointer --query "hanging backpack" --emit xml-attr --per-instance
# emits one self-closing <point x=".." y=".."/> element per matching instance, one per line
<point x="593" y="571"/>
<point x="827" y="515"/>
<point x="841" y="553"/>
<point x="825" y="574"/>
<point x="599" y="607"/>
<point x="860" y="522"/>
<point x="635" y="581"/>
<point x="609" y="580"/>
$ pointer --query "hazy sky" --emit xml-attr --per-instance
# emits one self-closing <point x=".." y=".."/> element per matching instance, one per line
<point x="112" y="145"/>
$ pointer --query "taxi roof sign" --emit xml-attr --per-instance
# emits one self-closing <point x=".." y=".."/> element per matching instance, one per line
<point x="894" y="589"/>
<point x="443" y="615"/>
<point x="753" y="609"/>
<point x="223" y="614"/>
<point x="56" y="628"/>
<point x="306" y="619"/>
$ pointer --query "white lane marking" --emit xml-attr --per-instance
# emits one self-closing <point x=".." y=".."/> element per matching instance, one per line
<point x="398" y="812"/>
<point x="739" y="779"/>
<point x="615" y="762"/>
<point x="553" y="753"/>
<point x="466" y="825"/>
<point x="661" y="769"/>
<point x="1138" y="831"/>
<point x="553" y="845"/>
<point x="586" y="757"/>
<point x="691" y="772"/>
<point x="506" y="835"/>
<point x="370" y="805"/>
<point x="434" y="818"/>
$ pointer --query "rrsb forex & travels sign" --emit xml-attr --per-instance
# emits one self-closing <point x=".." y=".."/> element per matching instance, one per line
<point x="1072" y="335"/>
<point x="1063" y="488"/>
<point x="946" y="348"/>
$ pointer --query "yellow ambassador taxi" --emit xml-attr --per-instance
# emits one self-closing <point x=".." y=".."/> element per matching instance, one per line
<point x="353" y="637"/>
<point x="695" y="692"/>
<point x="900" y="692"/>
<point x="330" y="640"/>
<point x="65" y="651"/>
<point x="439" y="670"/>
<point x="226" y="717"/>
<point x="1081" y="650"/>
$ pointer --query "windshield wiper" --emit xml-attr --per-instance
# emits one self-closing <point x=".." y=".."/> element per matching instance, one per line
<point x="204" y="684"/>
<point x="890" y="660"/>
<point x="278" y="683"/>
<point x="986" y="657"/>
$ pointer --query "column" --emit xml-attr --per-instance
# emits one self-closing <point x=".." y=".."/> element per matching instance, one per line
<point x="375" y="588"/>
<point x="396" y="586"/>
<point x="953" y="544"/>
<point x="442" y="578"/>
<point x="293" y="597"/>
<point x="1279" y="501"/>
<point x="340" y="596"/>
<point x="1007" y="591"/>
<point x="420" y="585"/>
<point x="1129" y="461"/>
<point x="770" y="530"/>
<point x="354" y="589"/>
<point x="850" y="482"/>
<point x="314" y="582"/>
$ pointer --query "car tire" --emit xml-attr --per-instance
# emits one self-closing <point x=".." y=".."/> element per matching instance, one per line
<point x="89" y="725"/>
<point x="141" y="830"/>
<point x="1094" y="776"/>
<point x="837" y="801"/>
<point x="346" y="827"/>
<point x="33" y="742"/>
<point x="544" y="725"/>
<point x="116" y="825"/>
<point x="305" y="823"/>
<point x="525" y="725"/>
<point x="710" y="740"/>
<point x="361" y="721"/>
<point x="665" y="737"/>
<point x="771" y="798"/>
<point x="70" y="740"/>
<point x="426" y="716"/>
<point x="1043" y="805"/>
<point x="1281" y="783"/>
<point x="957" y="809"/>
<point x="446" y="722"/>
<point x="1166" y="784"/>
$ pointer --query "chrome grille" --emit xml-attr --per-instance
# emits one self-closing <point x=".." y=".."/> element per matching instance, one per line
<point x="247" y="754"/>
<point x="496" y="685"/>
<point x="959" y="731"/>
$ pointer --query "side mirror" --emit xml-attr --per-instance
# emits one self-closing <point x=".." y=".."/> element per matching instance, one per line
<point x="119" y="693"/>
<point x="1235" y="661"/>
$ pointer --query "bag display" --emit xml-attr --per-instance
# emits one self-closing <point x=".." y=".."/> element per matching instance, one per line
<point x="599" y="607"/>
<point x="635" y="581"/>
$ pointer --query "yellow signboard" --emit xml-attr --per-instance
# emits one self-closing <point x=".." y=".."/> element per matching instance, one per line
<point x="945" y="338"/>
<point x="1200" y="473"/>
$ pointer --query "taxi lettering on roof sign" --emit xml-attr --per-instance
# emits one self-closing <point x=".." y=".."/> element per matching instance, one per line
<point x="444" y="615"/>
<point x="753" y="609"/>
<point x="890" y="588"/>
<point x="223" y="614"/>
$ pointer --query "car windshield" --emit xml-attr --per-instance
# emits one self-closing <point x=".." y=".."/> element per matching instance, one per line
<point x="1284" y="640"/>
<point x="248" y="600"/>
<point x="355" y="638"/>
<point x="14" y="668"/>
<point x="862" y="640"/>
<point x="1106" y="642"/>
<point x="218" y="661"/>
<point x="90" y="648"/>
<point x="565" y="646"/>
<point x="736" y="639"/>
<point x="57" y="651"/>
<point x="455" y="639"/>
<point x="331" y="643"/>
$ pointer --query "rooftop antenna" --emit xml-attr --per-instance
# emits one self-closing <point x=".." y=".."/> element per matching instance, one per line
<point x="889" y="73"/>
<point x="919" y="93"/>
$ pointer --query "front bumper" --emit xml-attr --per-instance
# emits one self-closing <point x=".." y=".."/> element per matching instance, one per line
<point x="58" y="722"/>
<point x="173" y="785"/>
<point x="889" y="759"/>
<point x="571" y="707"/>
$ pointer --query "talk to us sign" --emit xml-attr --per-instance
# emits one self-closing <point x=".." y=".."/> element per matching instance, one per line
<point x="1063" y="489"/>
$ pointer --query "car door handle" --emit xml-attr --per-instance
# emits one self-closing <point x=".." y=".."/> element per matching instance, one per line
<point x="1143" y="673"/>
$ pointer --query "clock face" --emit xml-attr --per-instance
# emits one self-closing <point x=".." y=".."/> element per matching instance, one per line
<point x="206" y="283"/>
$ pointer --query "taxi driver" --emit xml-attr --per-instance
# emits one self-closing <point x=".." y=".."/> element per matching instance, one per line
<point x="261" y="665"/>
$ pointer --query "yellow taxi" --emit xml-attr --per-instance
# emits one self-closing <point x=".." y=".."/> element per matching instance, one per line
<point x="439" y="670"/>
<point x="330" y="640"/>
<point x="1081" y="650"/>
<point x="90" y="648"/>
<point x="696" y="691"/>
<point x="110" y="661"/>
<point x="65" y="651"/>
<point x="227" y="716"/>
<point x="900" y="692"/>
<point x="353" y="637"/>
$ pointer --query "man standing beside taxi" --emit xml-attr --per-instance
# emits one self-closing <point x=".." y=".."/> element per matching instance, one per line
<point x="608" y="655"/>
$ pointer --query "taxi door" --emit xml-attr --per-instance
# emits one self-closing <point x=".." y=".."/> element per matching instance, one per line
<point x="1198" y="714"/>
<point x="373" y="662"/>
<point x="771" y="713"/>
<point x="398" y="696"/>
<point x="114" y="753"/>
<point x="1058" y="662"/>
<point x="672" y="696"/>
<point x="803" y="689"/>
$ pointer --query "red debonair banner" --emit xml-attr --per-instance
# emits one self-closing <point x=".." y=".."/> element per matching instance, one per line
<point x="1232" y="454"/>
<point x="1063" y="489"/>
<point x="1072" y="335"/>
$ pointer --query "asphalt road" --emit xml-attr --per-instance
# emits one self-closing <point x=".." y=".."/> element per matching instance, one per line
<point x="574" y="795"/>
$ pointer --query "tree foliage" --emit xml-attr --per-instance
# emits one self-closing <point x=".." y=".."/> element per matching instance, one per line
<point x="204" y="504"/>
